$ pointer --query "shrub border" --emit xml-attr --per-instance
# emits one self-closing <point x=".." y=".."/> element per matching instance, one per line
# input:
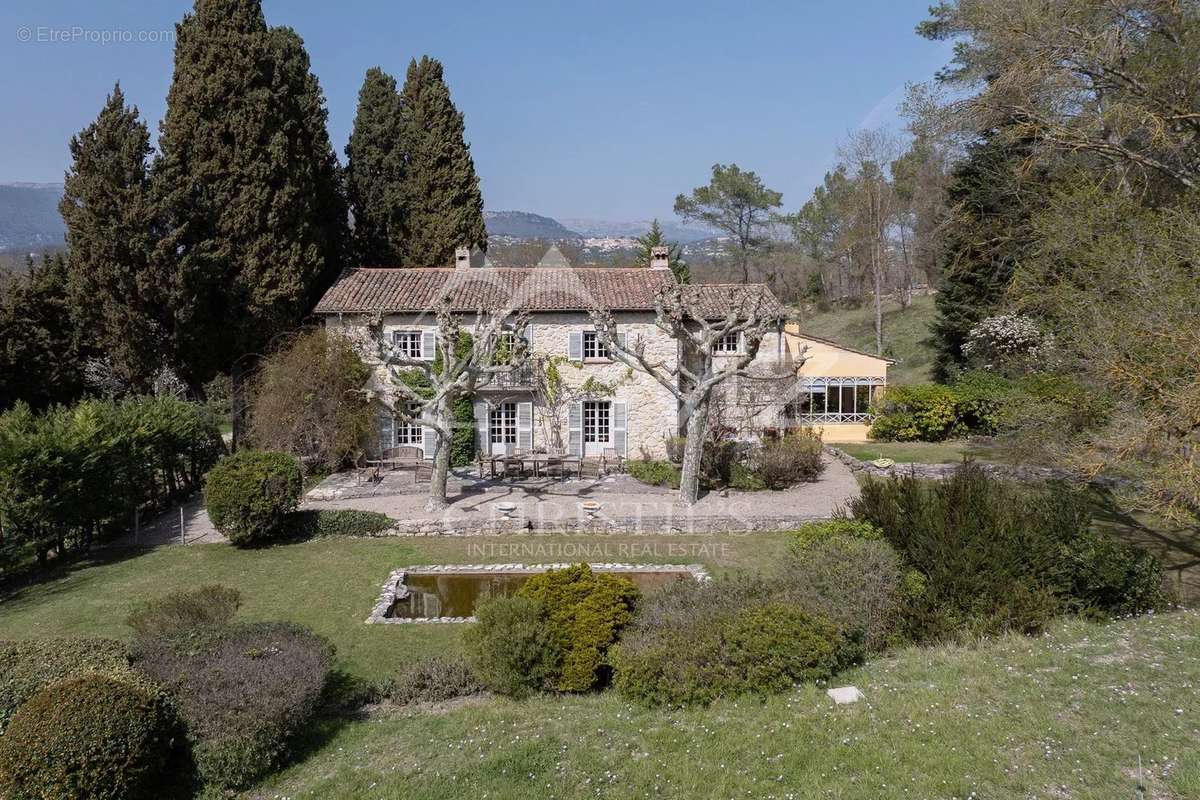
<point x="395" y="587"/>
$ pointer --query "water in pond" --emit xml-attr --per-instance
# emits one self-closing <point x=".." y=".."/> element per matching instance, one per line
<point x="455" y="594"/>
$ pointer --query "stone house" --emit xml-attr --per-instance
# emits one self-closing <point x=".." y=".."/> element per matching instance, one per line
<point x="603" y="406"/>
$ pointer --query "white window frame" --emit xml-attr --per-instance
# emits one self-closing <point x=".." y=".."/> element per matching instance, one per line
<point x="502" y="419"/>
<point x="727" y="345"/>
<point x="820" y="411"/>
<point x="407" y="433"/>
<point x="597" y="419"/>
<point x="593" y="343"/>
<point x="407" y="343"/>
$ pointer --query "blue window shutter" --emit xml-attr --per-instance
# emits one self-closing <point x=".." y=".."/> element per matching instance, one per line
<point x="428" y="344"/>
<point x="575" y="346"/>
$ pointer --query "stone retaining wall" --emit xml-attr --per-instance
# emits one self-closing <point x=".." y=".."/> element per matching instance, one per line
<point x="681" y="523"/>
<point x="941" y="471"/>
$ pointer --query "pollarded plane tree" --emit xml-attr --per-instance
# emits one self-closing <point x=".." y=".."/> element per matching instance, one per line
<point x="423" y="391"/>
<point x="704" y="359"/>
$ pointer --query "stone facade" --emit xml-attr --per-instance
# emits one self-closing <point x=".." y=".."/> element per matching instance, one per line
<point x="651" y="412"/>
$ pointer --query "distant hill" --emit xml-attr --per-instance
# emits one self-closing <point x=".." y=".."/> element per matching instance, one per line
<point x="29" y="218"/>
<point x="599" y="228"/>
<point x="526" y="225"/>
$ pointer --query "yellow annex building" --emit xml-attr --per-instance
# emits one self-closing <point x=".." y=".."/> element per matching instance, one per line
<point x="839" y="384"/>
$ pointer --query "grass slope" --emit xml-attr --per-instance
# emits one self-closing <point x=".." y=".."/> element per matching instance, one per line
<point x="331" y="585"/>
<point x="904" y="335"/>
<point x="1062" y="716"/>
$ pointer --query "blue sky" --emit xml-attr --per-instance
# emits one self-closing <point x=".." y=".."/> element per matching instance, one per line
<point x="604" y="109"/>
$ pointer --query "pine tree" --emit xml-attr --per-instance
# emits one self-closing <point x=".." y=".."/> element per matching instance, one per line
<point x="656" y="238"/>
<point x="988" y="232"/>
<point x="116" y="291"/>
<point x="375" y="172"/>
<point x="443" y="208"/>
<point x="250" y="195"/>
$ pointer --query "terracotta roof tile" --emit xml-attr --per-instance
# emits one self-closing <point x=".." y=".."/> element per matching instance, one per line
<point x="388" y="290"/>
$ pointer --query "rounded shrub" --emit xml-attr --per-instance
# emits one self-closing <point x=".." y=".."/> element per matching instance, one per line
<point x="811" y="533"/>
<point x="924" y="412"/>
<point x="789" y="460"/>
<point x="774" y="646"/>
<point x="511" y="647"/>
<point x="244" y="690"/>
<point x="432" y="680"/>
<point x="586" y="611"/>
<point x="695" y="643"/>
<point x="32" y="664"/>
<point x="250" y="494"/>
<point x="94" y="737"/>
<point x="858" y="583"/>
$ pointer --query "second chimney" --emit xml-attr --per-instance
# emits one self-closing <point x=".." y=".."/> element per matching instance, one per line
<point x="462" y="257"/>
<point x="660" y="257"/>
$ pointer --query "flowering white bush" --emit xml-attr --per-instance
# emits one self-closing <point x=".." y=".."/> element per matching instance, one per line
<point x="1009" y="341"/>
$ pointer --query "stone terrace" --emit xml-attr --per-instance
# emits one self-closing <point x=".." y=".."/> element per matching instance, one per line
<point x="551" y="505"/>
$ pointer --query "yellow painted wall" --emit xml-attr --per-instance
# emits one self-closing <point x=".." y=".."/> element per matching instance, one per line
<point x="833" y="434"/>
<point x="828" y="360"/>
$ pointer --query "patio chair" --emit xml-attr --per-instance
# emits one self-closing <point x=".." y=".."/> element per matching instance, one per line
<point x="554" y="461"/>
<point x="612" y="461"/>
<point x="590" y="468"/>
<point x="514" y="461"/>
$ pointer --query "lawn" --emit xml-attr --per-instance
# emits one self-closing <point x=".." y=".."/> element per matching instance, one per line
<point x="331" y="585"/>
<point x="950" y="452"/>
<point x="1065" y="716"/>
<point x="905" y="332"/>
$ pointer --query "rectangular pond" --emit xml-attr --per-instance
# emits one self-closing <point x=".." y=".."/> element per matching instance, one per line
<point x="449" y="592"/>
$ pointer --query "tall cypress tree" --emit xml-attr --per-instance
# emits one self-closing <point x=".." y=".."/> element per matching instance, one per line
<point x="443" y="208"/>
<point x="375" y="172"/>
<point x="249" y="186"/>
<point x="117" y="293"/>
<point x="41" y="350"/>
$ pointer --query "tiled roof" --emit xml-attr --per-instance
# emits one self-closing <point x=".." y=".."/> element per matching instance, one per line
<point x="386" y="291"/>
<point x="714" y="300"/>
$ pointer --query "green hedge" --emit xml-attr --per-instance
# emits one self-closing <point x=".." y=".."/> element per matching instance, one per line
<point x="654" y="473"/>
<point x="250" y="495"/>
<point x="93" y="737"/>
<point x="72" y="475"/>
<point x="696" y="643"/>
<point x="28" y="666"/>
<point x="312" y="524"/>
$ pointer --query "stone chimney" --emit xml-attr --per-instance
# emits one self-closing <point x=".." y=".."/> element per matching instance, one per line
<point x="660" y="257"/>
<point x="462" y="257"/>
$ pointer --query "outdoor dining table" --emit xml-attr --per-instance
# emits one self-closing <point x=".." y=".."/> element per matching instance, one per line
<point x="538" y="460"/>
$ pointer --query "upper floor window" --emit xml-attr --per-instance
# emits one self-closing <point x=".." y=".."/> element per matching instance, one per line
<point x="407" y="343"/>
<point x="593" y="347"/>
<point x="727" y="344"/>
